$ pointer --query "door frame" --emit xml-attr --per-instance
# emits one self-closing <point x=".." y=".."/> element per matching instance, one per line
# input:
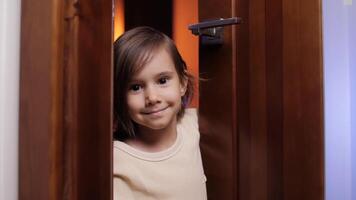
<point x="65" y="100"/>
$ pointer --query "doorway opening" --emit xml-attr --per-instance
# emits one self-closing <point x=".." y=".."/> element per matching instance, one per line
<point x="171" y="17"/>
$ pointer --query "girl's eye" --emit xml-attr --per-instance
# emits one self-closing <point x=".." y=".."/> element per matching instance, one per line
<point x="163" y="80"/>
<point x="135" y="87"/>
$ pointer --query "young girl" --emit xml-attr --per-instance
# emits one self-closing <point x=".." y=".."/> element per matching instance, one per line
<point x="156" y="151"/>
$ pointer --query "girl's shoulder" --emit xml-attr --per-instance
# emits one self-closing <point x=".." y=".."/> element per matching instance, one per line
<point x="189" y="122"/>
<point x="190" y="118"/>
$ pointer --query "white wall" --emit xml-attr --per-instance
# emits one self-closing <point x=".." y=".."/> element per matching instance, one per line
<point x="339" y="54"/>
<point x="9" y="97"/>
<point x="352" y="56"/>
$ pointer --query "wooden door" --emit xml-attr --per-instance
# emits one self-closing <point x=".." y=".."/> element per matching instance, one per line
<point x="261" y="106"/>
<point x="65" y="100"/>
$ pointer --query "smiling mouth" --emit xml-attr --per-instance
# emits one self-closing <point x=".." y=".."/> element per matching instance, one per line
<point x="154" y="111"/>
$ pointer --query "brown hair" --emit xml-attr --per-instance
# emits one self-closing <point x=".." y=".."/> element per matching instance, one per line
<point x="132" y="51"/>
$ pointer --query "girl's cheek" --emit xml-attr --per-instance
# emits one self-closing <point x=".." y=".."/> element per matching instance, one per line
<point x="173" y="95"/>
<point x="130" y="102"/>
<point x="135" y="101"/>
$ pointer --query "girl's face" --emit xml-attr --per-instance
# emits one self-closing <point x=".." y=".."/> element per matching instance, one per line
<point x="154" y="93"/>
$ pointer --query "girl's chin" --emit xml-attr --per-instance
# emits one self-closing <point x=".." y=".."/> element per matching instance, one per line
<point x="157" y="126"/>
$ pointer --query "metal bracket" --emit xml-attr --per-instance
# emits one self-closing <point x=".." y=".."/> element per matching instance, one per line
<point x="211" y="32"/>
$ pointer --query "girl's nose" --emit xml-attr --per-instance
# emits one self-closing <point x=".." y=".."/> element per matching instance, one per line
<point x="151" y="96"/>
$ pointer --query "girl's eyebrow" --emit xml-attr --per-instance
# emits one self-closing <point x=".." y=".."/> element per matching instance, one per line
<point x="165" y="73"/>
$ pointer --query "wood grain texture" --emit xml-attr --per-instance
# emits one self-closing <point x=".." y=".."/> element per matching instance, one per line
<point x="274" y="100"/>
<point x="66" y="100"/>
<point x="277" y="100"/>
<point x="216" y="107"/>
<point x="243" y="100"/>
<point x="303" y="139"/>
<point x="258" y="104"/>
<point x="40" y="153"/>
<point x="88" y="102"/>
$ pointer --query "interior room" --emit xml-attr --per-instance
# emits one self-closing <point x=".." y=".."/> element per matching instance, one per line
<point x="274" y="96"/>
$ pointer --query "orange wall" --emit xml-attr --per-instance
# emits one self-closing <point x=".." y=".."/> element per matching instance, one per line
<point x="185" y="12"/>
<point x="119" y="20"/>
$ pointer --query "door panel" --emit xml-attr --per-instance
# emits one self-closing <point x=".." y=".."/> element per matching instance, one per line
<point x="217" y="107"/>
<point x="261" y="113"/>
<point x="88" y="99"/>
<point x="303" y="136"/>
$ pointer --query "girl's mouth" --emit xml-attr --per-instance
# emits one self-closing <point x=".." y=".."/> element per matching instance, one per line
<point x="156" y="111"/>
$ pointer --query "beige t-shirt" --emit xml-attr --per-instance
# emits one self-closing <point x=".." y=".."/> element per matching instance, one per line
<point x="173" y="174"/>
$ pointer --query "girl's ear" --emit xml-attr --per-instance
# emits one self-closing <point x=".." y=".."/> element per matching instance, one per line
<point x="183" y="87"/>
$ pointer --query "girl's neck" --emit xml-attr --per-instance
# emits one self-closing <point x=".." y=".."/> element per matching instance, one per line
<point x="151" y="140"/>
